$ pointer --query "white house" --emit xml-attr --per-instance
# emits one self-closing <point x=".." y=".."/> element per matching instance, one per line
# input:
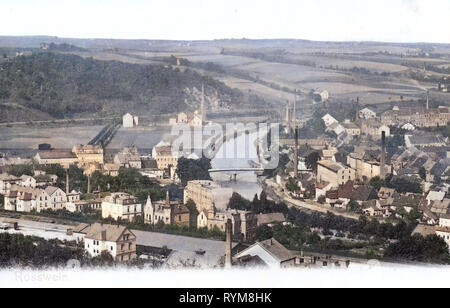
<point x="121" y="206"/>
<point x="117" y="240"/>
<point x="435" y="196"/>
<point x="27" y="181"/>
<point x="6" y="181"/>
<point x="366" y="113"/>
<point x="408" y="126"/>
<point x="443" y="231"/>
<point x="129" y="121"/>
<point x="329" y="120"/>
<point x="271" y="252"/>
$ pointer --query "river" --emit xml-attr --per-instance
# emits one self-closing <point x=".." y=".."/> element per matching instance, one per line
<point x="236" y="153"/>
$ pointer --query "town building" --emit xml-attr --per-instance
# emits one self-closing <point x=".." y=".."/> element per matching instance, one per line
<point x="207" y="195"/>
<point x="244" y="223"/>
<point x="6" y="181"/>
<point x="367" y="166"/>
<point x="56" y="157"/>
<point x="128" y="158"/>
<point x="167" y="212"/>
<point x="374" y="128"/>
<point x="366" y="114"/>
<point x="116" y="240"/>
<point x="121" y="206"/>
<point x="334" y="173"/>
<point x="89" y="154"/>
<point x="111" y="169"/>
<point x="130" y="121"/>
<point x="270" y="251"/>
<point x="329" y="120"/>
<point x="165" y="157"/>
<point x="78" y="206"/>
<point x="25" y="199"/>
<point x="443" y="231"/>
<point x="352" y="129"/>
<point x="419" y="117"/>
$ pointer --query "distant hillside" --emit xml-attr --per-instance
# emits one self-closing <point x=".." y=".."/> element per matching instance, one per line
<point x="64" y="86"/>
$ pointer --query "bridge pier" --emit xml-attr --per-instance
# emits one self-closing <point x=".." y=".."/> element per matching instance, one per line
<point x="233" y="177"/>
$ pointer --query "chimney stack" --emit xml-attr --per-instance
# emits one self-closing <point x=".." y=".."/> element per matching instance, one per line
<point x="296" y="153"/>
<point x="383" y="155"/>
<point x="428" y="99"/>
<point x="89" y="184"/>
<point x="104" y="235"/>
<point x="203" y="105"/>
<point x="167" y="199"/>
<point x="67" y="182"/>
<point x="228" y="244"/>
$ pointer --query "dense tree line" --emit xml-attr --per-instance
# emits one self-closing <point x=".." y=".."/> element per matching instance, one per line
<point x="64" y="85"/>
<point x="329" y="221"/>
<point x="191" y="169"/>
<point x="17" y="249"/>
<point x="430" y="249"/>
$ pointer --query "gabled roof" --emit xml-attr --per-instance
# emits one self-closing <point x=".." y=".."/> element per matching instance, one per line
<point x="264" y="219"/>
<point x="364" y="193"/>
<point x="436" y="196"/>
<point x="56" y="154"/>
<point x="50" y="190"/>
<point x="113" y="232"/>
<point x="273" y="247"/>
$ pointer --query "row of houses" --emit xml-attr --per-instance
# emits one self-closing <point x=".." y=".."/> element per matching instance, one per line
<point x="39" y="180"/>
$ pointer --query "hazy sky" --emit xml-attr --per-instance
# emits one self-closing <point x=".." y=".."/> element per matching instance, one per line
<point x="381" y="20"/>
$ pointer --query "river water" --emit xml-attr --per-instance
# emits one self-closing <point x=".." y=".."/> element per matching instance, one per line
<point x="236" y="153"/>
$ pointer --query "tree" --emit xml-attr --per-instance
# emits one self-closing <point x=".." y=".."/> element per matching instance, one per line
<point x="237" y="202"/>
<point x="190" y="169"/>
<point x="423" y="173"/>
<point x="432" y="249"/>
<point x="311" y="160"/>
<point x="19" y="170"/>
<point x="292" y="185"/>
<point x="377" y="183"/>
<point x="405" y="185"/>
<point x="263" y="233"/>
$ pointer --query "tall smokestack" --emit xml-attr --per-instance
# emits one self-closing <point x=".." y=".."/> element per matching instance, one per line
<point x="89" y="184"/>
<point x="67" y="182"/>
<point x="383" y="156"/>
<point x="203" y="105"/>
<point x="228" y="244"/>
<point x="296" y="153"/>
<point x="428" y="99"/>
<point x="294" y="116"/>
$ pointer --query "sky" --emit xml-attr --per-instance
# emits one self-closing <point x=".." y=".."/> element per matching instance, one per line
<point x="321" y="20"/>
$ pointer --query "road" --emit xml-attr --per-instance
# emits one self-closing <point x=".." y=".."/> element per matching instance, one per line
<point x="277" y="195"/>
<point x="318" y="208"/>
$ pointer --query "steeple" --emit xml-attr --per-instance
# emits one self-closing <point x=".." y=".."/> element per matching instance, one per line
<point x="149" y="201"/>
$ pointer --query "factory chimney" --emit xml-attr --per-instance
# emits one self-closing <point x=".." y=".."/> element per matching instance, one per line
<point x="428" y="100"/>
<point x="383" y="156"/>
<point x="294" y="115"/>
<point x="296" y="152"/>
<point x="203" y="105"/>
<point x="229" y="242"/>
<point x="89" y="184"/>
<point x="67" y="182"/>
